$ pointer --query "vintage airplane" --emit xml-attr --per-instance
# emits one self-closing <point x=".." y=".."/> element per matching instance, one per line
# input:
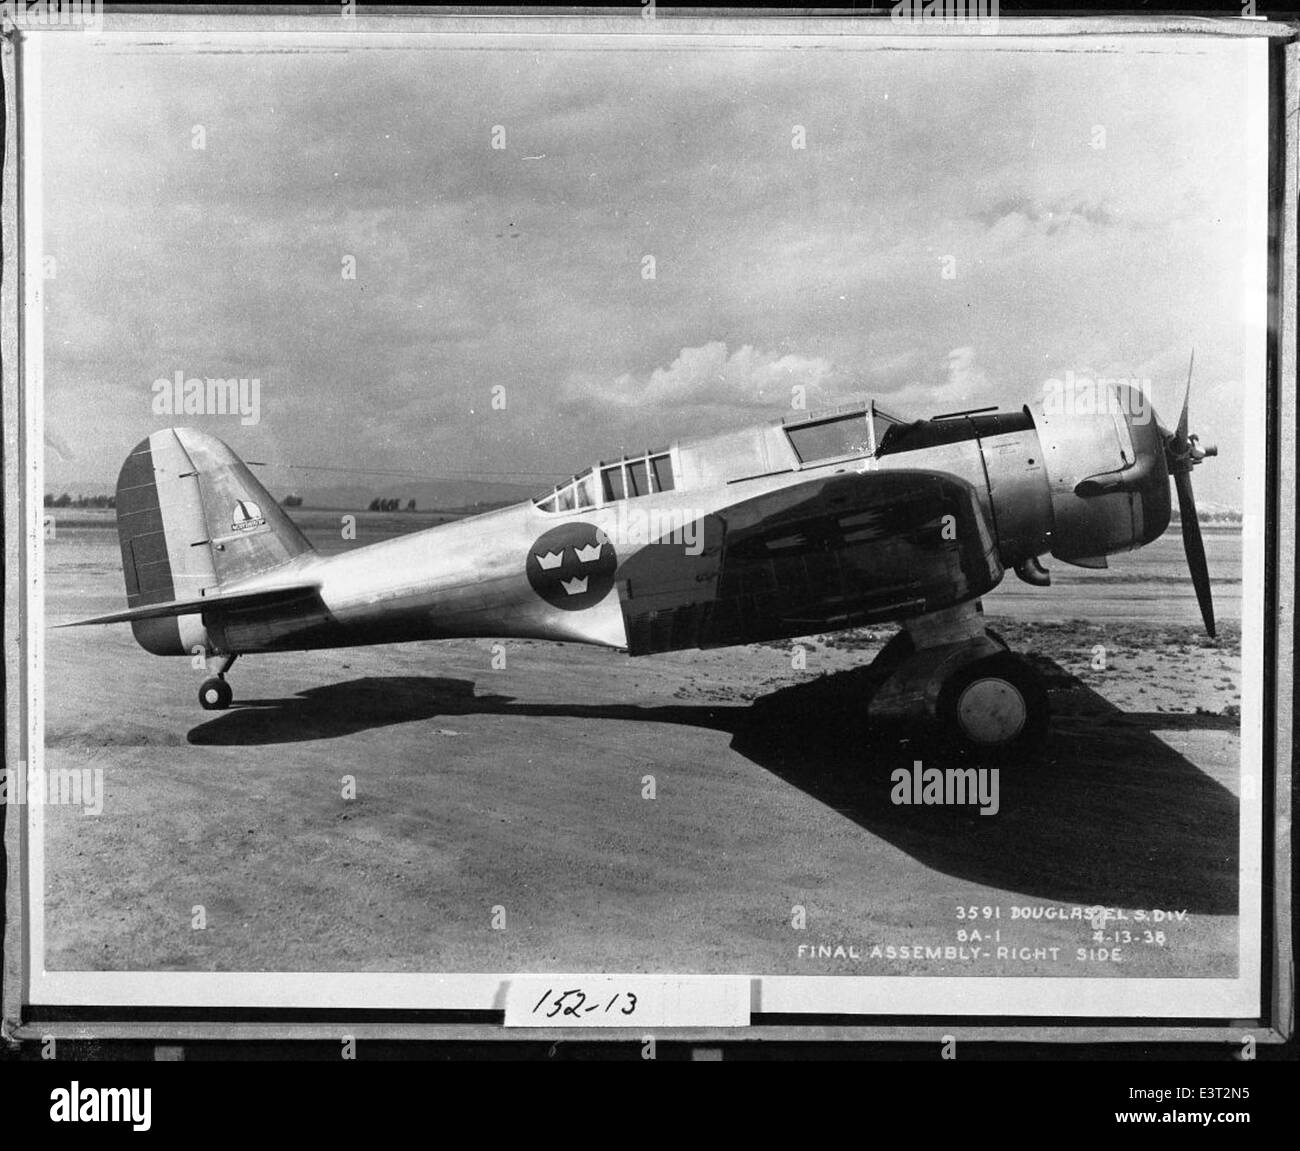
<point x="804" y="525"/>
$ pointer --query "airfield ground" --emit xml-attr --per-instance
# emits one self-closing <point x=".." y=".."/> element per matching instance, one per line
<point x="525" y="786"/>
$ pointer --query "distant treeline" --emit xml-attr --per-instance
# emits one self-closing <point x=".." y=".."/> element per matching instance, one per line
<point x="67" y="501"/>
<point x="1217" y="517"/>
<point x="392" y="505"/>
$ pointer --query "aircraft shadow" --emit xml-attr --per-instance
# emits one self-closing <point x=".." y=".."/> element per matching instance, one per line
<point x="1108" y="814"/>
<point x="340" y="709"/>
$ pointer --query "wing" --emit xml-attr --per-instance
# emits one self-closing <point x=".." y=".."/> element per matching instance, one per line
<point x="834" y="552"/>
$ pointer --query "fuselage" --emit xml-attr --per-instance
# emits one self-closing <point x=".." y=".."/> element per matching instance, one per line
<point x="565" y="567"/>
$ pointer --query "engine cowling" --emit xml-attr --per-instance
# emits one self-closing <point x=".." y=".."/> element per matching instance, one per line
<point x="1106" y="471"/>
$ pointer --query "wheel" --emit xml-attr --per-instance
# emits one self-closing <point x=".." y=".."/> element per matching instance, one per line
<point x="995" y="705"/>
<point x="215" y="694"/>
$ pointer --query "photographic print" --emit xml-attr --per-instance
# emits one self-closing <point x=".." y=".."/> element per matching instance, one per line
<point x="778" y="517"/>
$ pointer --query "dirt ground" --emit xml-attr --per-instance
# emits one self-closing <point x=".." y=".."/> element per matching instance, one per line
<point x="670" y="813"/>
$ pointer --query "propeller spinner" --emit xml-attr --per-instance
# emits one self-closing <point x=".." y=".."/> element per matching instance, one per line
<point x="1182" y="453"/>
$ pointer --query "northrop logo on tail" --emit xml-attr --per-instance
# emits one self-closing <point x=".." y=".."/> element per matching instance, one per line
<point x="246" y="516"/>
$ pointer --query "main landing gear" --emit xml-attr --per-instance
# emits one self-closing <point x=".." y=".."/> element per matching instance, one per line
<point x="947" y="671"/>
<point x="994" y="704"/>
<point x="215" y="693"/>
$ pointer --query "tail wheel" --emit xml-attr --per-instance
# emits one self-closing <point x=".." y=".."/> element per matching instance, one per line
<point x="215" y="695"/>
<point x="996" y="704"/>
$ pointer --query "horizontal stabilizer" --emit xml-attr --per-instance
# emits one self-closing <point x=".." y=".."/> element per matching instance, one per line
<point x="267" y="597"/>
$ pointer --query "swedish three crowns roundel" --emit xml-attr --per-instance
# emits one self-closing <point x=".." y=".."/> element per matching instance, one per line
<point x="572" y="566"/>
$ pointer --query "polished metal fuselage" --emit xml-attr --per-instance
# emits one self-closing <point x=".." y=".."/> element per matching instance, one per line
<point x="471" y="577"/>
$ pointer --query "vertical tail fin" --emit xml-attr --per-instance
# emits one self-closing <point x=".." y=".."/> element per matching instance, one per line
<point x="192" y="519"/>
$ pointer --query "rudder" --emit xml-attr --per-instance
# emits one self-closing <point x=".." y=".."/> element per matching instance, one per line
<point x="192" y="520"/>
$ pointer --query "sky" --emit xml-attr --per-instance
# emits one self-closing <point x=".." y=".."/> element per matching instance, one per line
<point x="1087" y="199"/>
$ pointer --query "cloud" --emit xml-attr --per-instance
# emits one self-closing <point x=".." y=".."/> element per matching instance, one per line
<point x="1051" y="217"/>
<point x="965" y="385"/>
<point x="478" y="267"/>
<point x="58" y="444"/>
<point x="964" y="374"/>
<point x="708" y="375"/>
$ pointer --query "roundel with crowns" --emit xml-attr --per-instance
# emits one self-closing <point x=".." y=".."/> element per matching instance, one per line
<point x="572" y="566"/>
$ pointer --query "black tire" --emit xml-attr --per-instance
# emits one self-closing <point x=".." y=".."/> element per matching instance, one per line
<point x="215" y="694"/>
<point x="995" y="707"/>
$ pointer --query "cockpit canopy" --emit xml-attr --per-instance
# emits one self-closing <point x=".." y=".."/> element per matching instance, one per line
<point x="609" y="482"/>
<point x="797" y="442"/>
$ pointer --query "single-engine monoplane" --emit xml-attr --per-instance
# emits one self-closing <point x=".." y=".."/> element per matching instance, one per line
<point x="808" y="524"/>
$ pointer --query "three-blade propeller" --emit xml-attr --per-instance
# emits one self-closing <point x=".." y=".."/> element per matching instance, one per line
<point x="1182" y="453"/>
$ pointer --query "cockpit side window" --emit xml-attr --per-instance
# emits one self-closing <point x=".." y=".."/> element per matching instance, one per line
<point x="662" y="466"/>
<point x="884" y="421"/>
<point x="831" y="439"/>
<point x="626" y="479"/>
<point x="638" y="483"/>
<point x="612" y="482"/>
<point x="888" y="430"/>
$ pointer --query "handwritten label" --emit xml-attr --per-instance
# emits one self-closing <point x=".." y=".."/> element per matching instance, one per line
<point x="636" y="1001"/>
